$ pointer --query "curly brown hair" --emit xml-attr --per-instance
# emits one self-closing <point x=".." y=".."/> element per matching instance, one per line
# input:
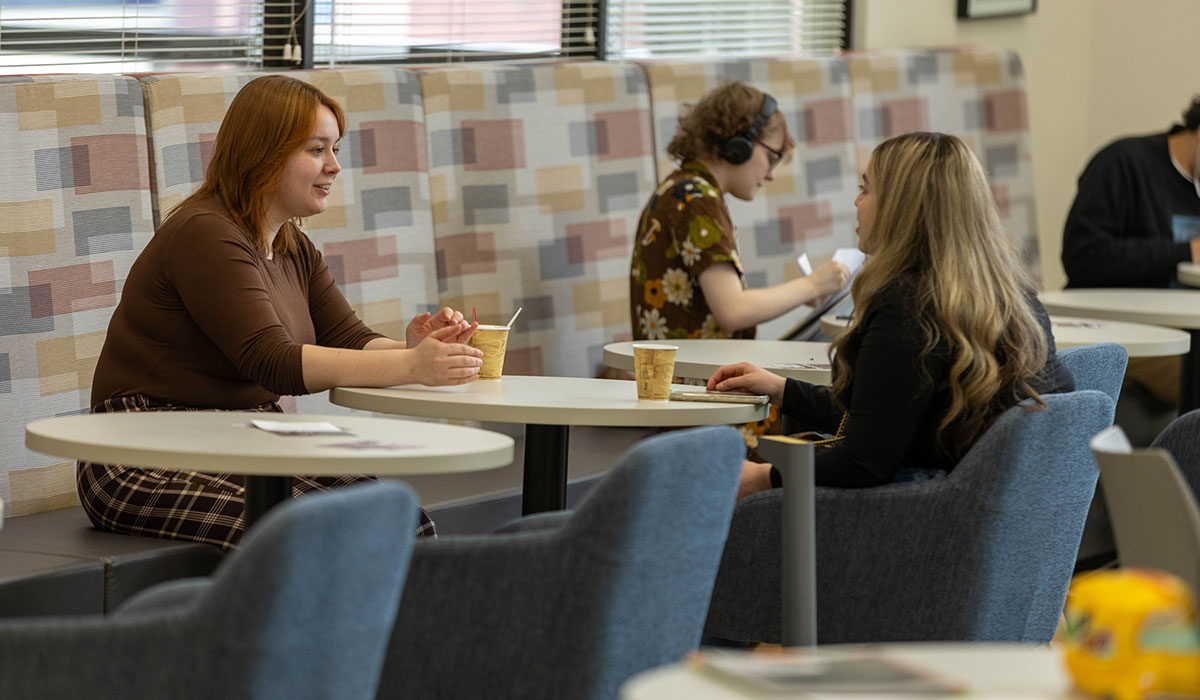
<point x="726" y="110"/>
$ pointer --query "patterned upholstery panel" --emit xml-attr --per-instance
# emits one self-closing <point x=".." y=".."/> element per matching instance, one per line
<point x="537" y="176"/>
<point x="975" y="94"/>
<point x="810" y="205"/>
<point x="376" y="234"/>
<point x="74" y="213"/>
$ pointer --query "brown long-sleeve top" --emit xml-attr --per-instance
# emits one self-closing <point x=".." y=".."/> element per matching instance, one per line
<point x="206" y="321"/>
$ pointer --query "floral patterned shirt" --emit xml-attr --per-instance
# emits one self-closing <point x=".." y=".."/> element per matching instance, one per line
<point x="684" y="229"/>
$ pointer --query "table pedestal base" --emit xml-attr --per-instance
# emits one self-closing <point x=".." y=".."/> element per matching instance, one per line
<point x="544" y="484"/>
<point x="1189" y="373"/>
<point x="264" y="492"/>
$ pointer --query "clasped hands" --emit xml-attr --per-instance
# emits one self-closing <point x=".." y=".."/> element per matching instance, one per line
<point x="425" y="323"/>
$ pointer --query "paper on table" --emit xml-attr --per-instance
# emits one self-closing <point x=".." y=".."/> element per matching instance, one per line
<point x="804" y="264"/>
<point x="852" y="258"/>
<point x="801" y="365"/>
<point x="374" y="445"/>
<point x="288" y="428"/>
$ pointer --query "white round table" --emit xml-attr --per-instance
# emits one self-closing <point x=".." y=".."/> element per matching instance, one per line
<point x="698" y="359"/>
<point x="1188" y="273"/>
<point x="548" y="406"/>
<point x="1174" y="308"/>
<point x="1138" y="339"/>
<point x="992" y="670"/>
<point x="225" y="441"/>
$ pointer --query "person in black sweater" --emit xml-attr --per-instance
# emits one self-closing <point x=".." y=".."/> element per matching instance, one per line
<point x="1137" y="211"/>
<point x="1136" y="216"/>
<point x="948" y="333"/>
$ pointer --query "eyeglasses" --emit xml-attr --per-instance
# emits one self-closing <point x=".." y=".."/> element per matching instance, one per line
<point x="775" y="157"/>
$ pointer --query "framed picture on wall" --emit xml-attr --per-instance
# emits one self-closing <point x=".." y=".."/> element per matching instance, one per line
<point x="980" y="9"/>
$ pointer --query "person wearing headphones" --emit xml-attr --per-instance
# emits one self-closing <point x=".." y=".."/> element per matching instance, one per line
<point x="1136" y="215"/>
<point x="687" y="280"/>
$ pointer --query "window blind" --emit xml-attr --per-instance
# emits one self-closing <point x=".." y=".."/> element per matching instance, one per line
<point x="111" y="36"/>
<point x="645" y="29"/>
<point x="436" y="31"/>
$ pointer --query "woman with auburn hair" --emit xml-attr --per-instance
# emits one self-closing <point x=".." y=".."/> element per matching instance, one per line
<point x="947" y="335"/>
<point x="231" y="305"/>
<point x="688" y="281"/>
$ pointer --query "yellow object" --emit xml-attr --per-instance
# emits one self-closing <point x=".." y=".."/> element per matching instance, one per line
<point x="1130" y="632"/>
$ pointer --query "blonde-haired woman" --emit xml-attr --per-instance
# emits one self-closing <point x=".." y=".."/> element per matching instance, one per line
<point x="947" y="333"/>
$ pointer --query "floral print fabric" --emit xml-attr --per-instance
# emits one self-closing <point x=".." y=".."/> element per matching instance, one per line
<point x="684" y="229"/>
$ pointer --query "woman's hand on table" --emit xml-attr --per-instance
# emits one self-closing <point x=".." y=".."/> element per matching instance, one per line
<point x="749" y="378"/>
<point x="441" y="360"/>
<point x="425" y="323"/>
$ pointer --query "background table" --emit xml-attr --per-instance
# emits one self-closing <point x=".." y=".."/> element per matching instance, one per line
<point x="225" y="442"/>
<point x="1138" y="339"/>
<point x="698" y="359"/>
<point x="1007" y="670"/>
<point x="548" y="406"/>
<point x="1188" y="273"/>
<point x="1174" y="308"/>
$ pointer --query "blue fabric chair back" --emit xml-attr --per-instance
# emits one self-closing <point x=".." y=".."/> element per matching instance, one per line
<point x="303" y="609"/>
<point x="1182" y="439"/>
<point x="574" y="608"/>
<point x="984" y="554"/>
<point x="1099" y="367"/>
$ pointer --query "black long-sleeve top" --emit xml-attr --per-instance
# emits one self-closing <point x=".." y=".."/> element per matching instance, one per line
<point x="1132" y="217"/>
<point x="896" y="399"/>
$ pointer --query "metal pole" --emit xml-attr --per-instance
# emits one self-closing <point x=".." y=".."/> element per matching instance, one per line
<point x="798" y="560"/>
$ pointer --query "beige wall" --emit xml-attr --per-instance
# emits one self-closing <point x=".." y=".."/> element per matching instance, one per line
<point x="1096" y="69"/>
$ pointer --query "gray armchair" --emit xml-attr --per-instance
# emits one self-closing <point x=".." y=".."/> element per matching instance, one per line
<point x="571" y="604"/>
<point x="302" y="610"/>
<point x="1182" y="439"/>
<point x="984" y="554"/>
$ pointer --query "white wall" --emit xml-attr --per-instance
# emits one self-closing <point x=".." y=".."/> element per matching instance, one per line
<point x="1096" y="69"/>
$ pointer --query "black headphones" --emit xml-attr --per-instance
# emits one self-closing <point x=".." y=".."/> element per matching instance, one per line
<point x="738" y="148"/>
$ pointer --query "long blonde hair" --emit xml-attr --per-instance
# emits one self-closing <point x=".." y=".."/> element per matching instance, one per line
<point x="936" y="224"/>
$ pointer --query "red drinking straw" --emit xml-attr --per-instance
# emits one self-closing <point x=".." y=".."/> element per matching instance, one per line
<point x="473" y="316"/>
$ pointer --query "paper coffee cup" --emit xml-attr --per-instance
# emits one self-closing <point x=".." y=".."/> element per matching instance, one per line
<point x="654" y="366"/>
<point x="492" y="340"/>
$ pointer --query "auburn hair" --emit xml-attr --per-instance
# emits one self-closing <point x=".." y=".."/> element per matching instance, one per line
<point x="268" y="120"/>
<point x="725" y="111"/>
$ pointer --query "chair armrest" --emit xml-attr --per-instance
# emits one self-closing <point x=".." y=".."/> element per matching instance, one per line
<point x="538" y="521"/>
<point x="180" y="592"/>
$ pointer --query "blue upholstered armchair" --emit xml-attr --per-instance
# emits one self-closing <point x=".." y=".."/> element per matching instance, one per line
<point x="571" y="604"/>
<point x="1100" y="367"/>
<point x="984" y="554"/>
<point x="302" y="610"/>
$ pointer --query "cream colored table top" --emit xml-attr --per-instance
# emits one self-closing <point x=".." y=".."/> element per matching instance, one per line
<point x="545" y="401"/>
<point x="225" y="441"/>
<point x="1138" y="339"/>
<point x="1174" y="308"/>
<point x="1188" y="273"/>
<point x="990" y="670"/>
<point x="698" y="359"/>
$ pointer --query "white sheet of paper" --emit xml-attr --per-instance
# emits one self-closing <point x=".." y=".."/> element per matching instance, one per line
<point x="804" y="264"/>
<point x="288" y="428"/>
<point x="852" y="258"/>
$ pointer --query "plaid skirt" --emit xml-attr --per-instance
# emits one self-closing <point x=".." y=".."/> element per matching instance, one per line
<point x="194" y="506"/>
